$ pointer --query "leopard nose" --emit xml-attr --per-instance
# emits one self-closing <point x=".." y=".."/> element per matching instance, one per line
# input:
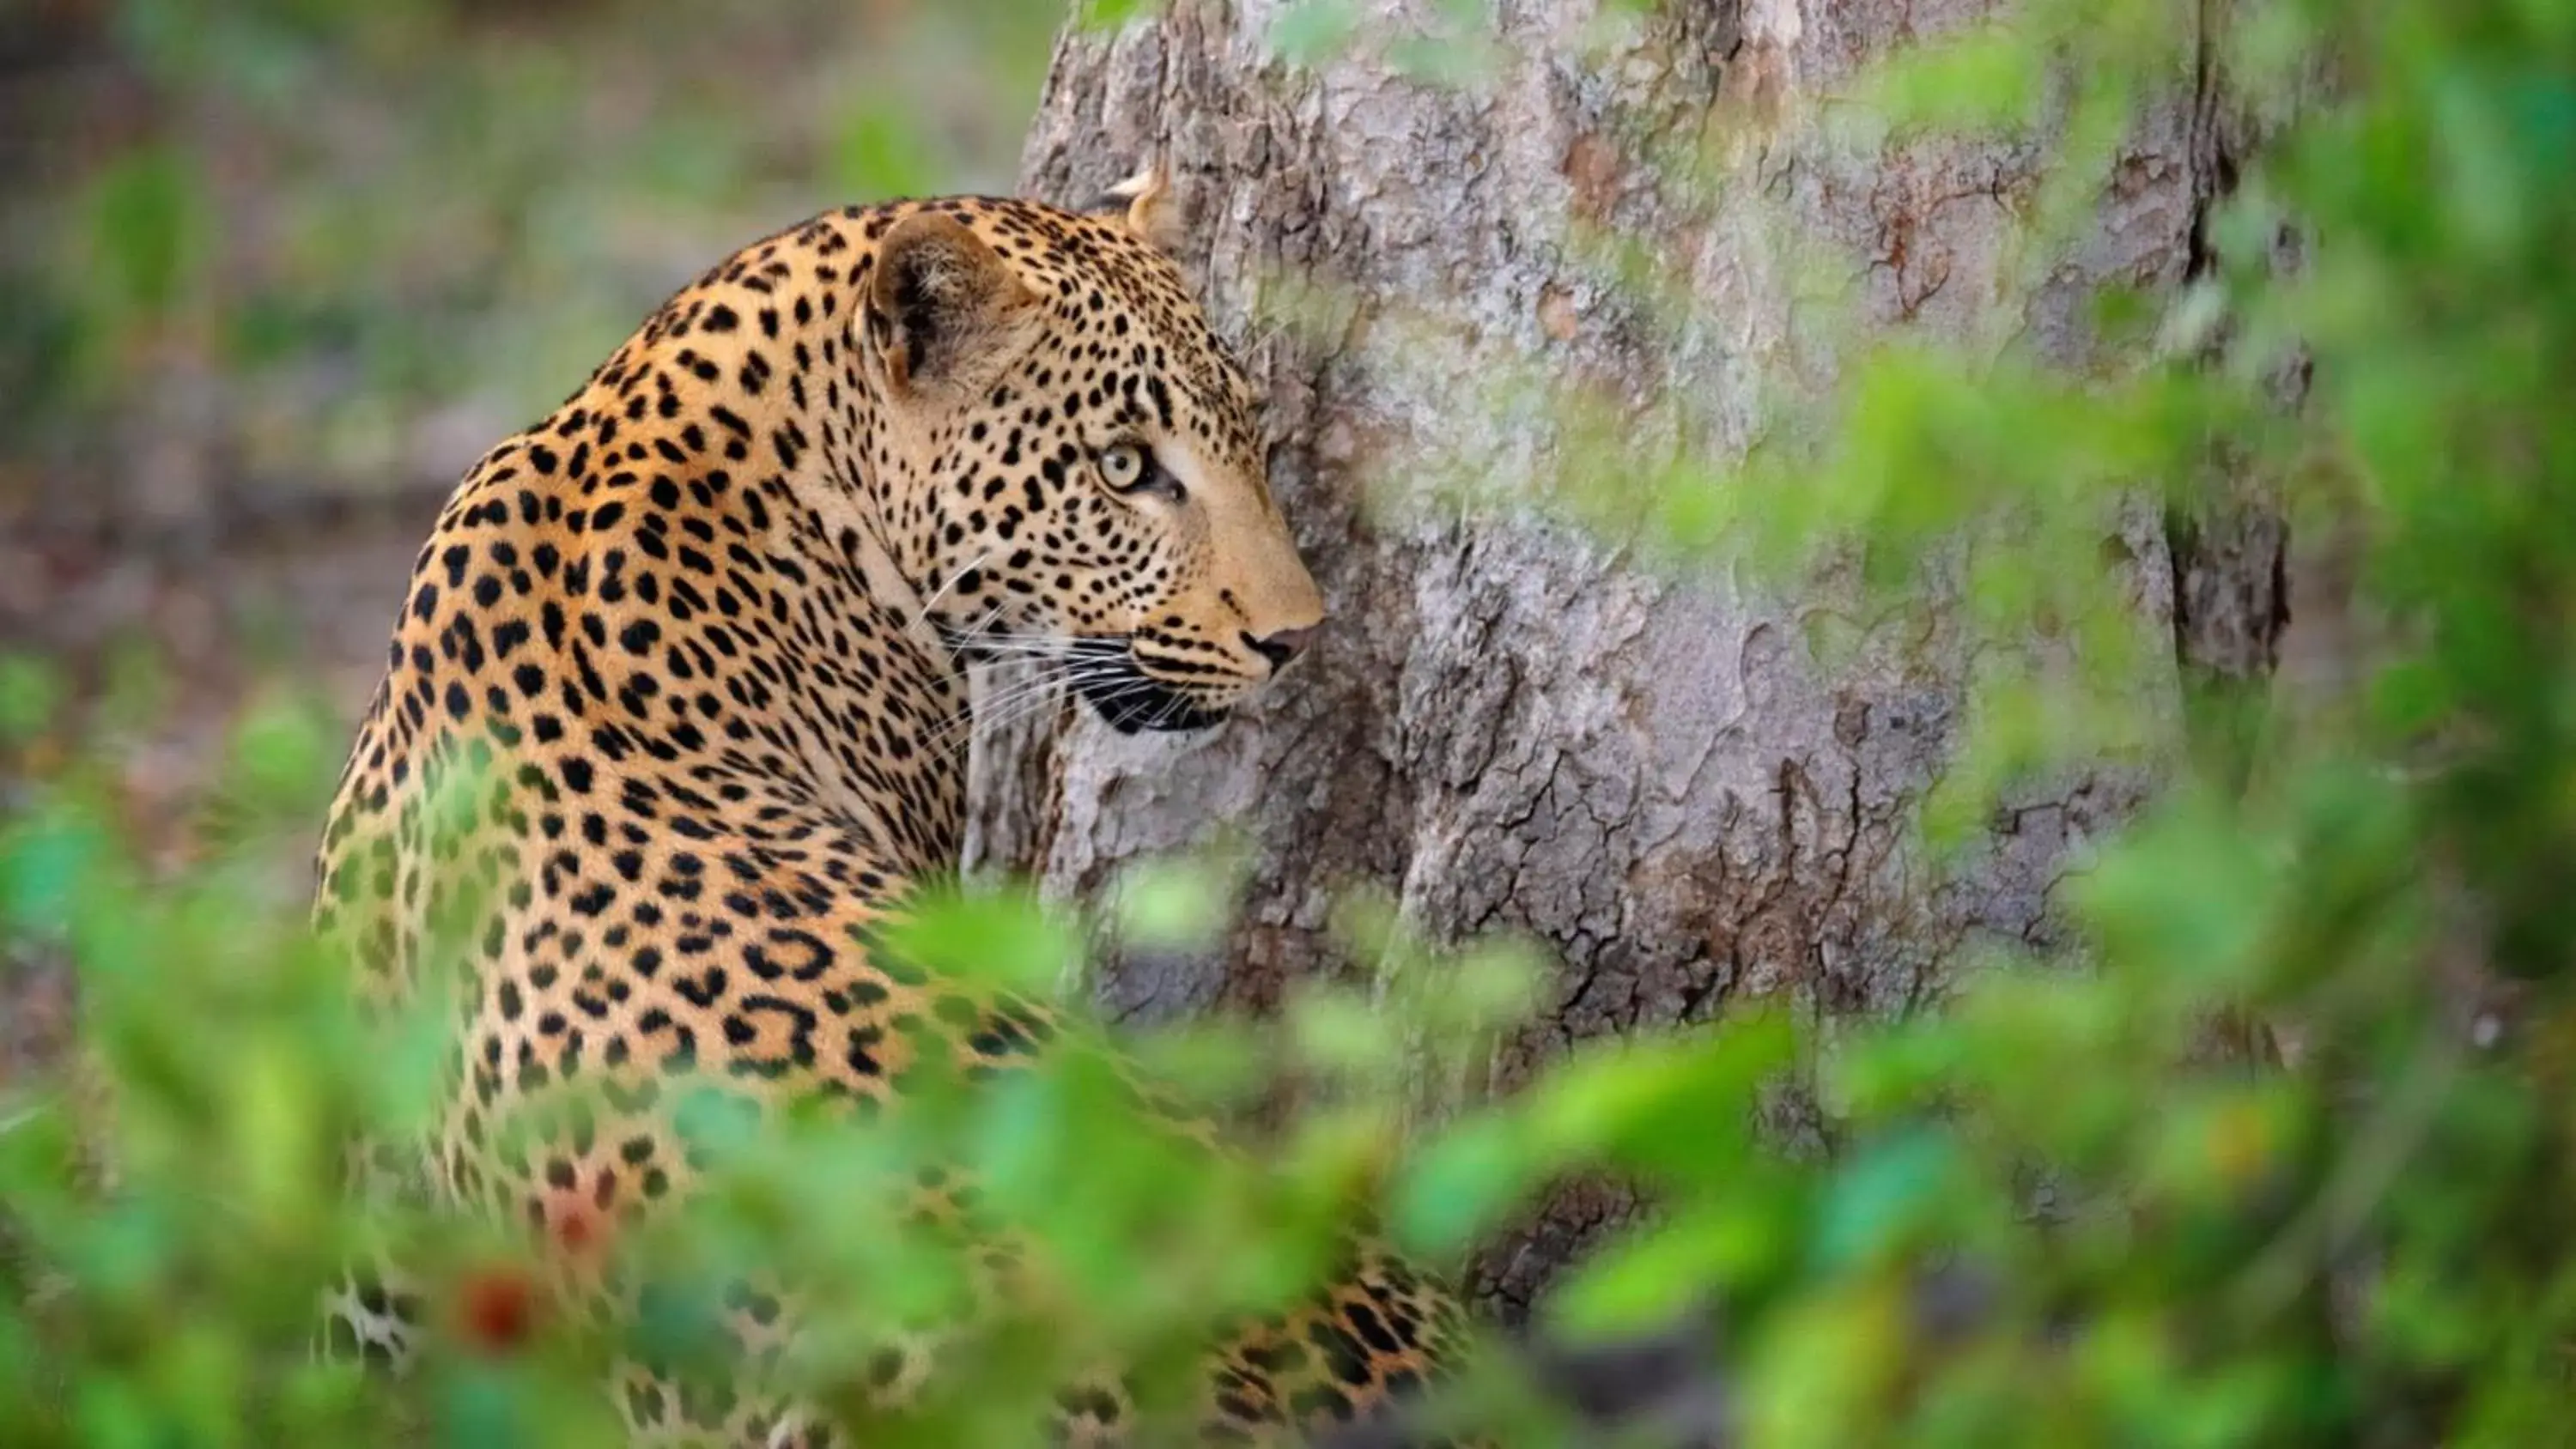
<point x="1282" y="647"/>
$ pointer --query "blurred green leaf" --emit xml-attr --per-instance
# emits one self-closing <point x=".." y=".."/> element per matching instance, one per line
<point x="1173" y="905"/>
<point x="1463" y="1185"/>
<point x="150" y="227"/>
<point x="30" y="693"/>
<point x="1888" y="1193"/>
<point x="1314" y="32"/>
<point x="877" y="154"/>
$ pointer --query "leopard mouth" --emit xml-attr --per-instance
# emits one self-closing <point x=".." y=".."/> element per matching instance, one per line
<point x="1107" y="676"/>
<point x="1104" y="672"/>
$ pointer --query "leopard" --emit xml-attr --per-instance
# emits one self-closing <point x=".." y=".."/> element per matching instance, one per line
<point x="707" y="630"/>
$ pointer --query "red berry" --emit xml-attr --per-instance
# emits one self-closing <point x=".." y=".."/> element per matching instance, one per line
<point x="499" y="1308"/>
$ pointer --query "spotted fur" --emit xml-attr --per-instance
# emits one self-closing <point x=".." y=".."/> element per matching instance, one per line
<point x="697" y="642"/>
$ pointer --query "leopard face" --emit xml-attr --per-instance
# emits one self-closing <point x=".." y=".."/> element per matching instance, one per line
<point x="1071" y="469"/>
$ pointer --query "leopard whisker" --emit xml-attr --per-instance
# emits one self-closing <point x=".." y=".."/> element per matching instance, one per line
<point x="941" y="592"/>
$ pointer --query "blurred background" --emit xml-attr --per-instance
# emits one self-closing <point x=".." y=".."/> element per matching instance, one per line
<point x="273" y="272"/>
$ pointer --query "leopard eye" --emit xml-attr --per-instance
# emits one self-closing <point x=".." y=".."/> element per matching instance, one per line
<point x="1124" y="466"/>
<point x="1130" y="468"/>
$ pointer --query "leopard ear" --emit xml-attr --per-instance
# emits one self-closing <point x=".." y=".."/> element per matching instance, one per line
<point x="939" y="299"/>
<point x="1146" y="197"/>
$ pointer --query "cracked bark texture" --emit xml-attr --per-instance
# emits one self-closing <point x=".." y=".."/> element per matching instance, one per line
<point x="1506" y="725"/>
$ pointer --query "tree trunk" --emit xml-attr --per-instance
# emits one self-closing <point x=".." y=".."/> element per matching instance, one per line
<point x="1507" y="725"/>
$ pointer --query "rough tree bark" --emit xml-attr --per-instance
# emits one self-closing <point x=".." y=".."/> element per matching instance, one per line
<point x="1506" y="726"/>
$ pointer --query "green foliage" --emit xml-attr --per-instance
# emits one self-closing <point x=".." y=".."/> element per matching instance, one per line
<point x="2182" y="1243"/>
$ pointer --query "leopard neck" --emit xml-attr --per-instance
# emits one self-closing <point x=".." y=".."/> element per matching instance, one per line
<point x="724" y="454"/>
